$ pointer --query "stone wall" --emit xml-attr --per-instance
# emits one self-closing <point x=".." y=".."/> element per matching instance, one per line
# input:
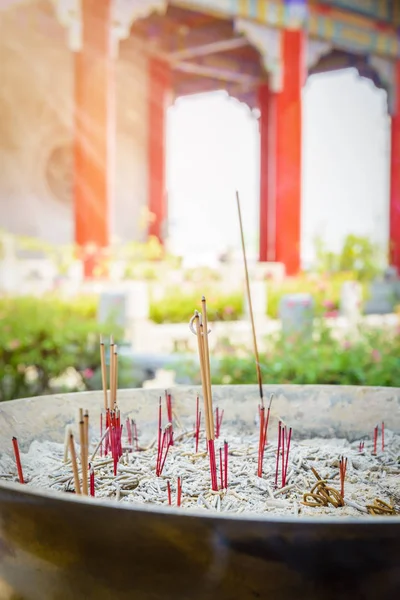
<point x="36" y="129"/>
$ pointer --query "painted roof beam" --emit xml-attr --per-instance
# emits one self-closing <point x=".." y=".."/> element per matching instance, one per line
<point x="215" y="73"/>
<point x="209" y="48"/>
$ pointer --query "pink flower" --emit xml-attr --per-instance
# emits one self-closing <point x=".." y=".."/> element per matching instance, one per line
<point x="88" y="373"/>
<point x="328" y="304"/>
<point x="346" y="345"/>
<point x="376" y="355"/>
<point x="229" y="310"/>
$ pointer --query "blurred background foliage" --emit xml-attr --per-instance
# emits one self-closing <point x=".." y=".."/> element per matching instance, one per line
<point x="50" y="344"/>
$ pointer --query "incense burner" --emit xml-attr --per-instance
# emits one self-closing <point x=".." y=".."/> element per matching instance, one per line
<point x="60" y="546"/>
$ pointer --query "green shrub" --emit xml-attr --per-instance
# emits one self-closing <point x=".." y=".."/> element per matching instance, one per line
<point x="48" y="344"/>
<point x="358" y="255"/>
<point x="178" y="307"/>
<point x="324" y="289"/>
<point x="372" y="358"/>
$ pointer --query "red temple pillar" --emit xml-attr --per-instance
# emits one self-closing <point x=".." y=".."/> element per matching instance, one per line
<point x="159" y="87"/>
<point x="286" y="107"/>
<point x="266" y="218"/>
<point x="93" y="126"/>
<point x="394" y="218"/>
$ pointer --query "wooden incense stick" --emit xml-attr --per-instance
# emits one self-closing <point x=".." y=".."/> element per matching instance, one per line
<point x="206" y="353"/>
<point x="115" y="377"/>
<point x="86" y="422"/>
<point x="112" y="376"/>
<point x="103" y="372"/>
<point x="256" y="355"/>
<point x="83" y="456"/>
<point x="208" y="408"/>
<point x="66" y="442"/>
<point x="202" y="372"/>
<point x="74" y="463"/>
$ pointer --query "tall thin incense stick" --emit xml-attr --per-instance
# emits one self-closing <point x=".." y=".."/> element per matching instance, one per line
<point x="18" y="460"/>
<point x="256" y="355"/>
<point x="84" y="464"/>
<point x="205" y="379"/>
<point x="86" y="422"/>
<point x="112" y="376"/>
<point x="204" y="326"/>
<point x="202" y="372"/>
<point x="103" y="372"/>
<point x="116" y="377"/>
<point x="74" y="463"/>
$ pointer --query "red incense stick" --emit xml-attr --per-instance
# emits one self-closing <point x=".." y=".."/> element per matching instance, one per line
<point x="213" y="466"/>
<point x="226" y="464"/>
<point x="361" y="447"/>
<point x="18" y="460"/>
<point x="91" y="482"/>
<point x="168" y="400"/>
<point x="159" y="453"/>
<point x="169" y="493"/>
<point x="376" y="430"/>
<point x="342" y="471"/>
<point x="165" y="444"/>
<point x="179" y="492"/>
<point x="114" y="450"/>
<point x="277" y="455"/>
<point x="261" y="412"/>
<point x="283" y="440"/>
<point x="264" y="422"/>
<point x="221" y="473"/>
<point x="101" y="435"/>
<point x="107" y="442"/>
<point x="383" y="436"/>
<point x="266" y="425"/>
<point x="288" y="440"/>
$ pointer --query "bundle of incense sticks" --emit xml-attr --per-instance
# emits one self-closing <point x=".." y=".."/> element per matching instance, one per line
<point x="283" y="451"/>
<point x="264" y="422"/>
<point x="110" y="398"/>
<point x="164" y="440"/>
<point x="112" y="415"/>
<point x="84" y="453"/>
<point x="201" y="329"/>
<point x="84" y="443"/>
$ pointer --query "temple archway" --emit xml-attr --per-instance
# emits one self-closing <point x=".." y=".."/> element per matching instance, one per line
<point x="345" y="115"/>
<point x="212" y="150"/>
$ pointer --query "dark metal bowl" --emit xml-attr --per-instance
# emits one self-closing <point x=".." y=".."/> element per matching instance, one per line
<point x="62" y="547"/>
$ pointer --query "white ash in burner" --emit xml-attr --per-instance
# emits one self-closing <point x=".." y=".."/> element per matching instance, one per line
<point x="368" y="477"/>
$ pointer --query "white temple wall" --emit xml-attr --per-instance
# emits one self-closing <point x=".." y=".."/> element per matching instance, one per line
<point x="36" y="130"/>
